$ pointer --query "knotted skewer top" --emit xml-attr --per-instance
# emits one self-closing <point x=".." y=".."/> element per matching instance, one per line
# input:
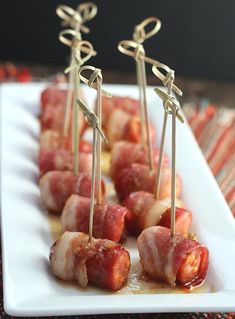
<point x="75" y="42"/>
<point x="85" y="47"/>
<point x="140" y="35"/>
<point x="92" y="80"/>
<point x="72" y="18"/>
<point x="170" y="102"/>
<point x="132" y="49"/>
<point x="91" y="118"/>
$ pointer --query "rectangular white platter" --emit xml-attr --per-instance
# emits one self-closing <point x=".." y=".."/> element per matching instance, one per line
<point x="29" y="287"/>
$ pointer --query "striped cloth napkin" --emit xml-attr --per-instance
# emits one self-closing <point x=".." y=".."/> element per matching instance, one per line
<point x="214" y="129"/>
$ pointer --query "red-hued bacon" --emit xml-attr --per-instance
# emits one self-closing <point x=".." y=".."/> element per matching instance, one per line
<point x="62" y="160"/>
<point x="179" y="261"/>
<point x="123" y="126"/>
<point x="110" y="219"/>
<point x="57" y="186"/>
<point x="137" y="177"/>
<point x="53" y="140"/>
<point x="52" y="118"/>
<point x="125" y="153"/>
<point x="101" y="262"/>
<point x="183" y="219"/>
<point x="148" y="212"/>
<point x="53" y="102"/>
<point x="85" y="146"/>
<point x="126" y="104"/>
<point x="52" y="95"/>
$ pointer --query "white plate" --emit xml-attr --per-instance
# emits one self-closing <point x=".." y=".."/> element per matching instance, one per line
<point x="29" y="287"/>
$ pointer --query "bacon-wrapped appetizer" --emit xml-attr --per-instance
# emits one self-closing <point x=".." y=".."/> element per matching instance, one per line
<point x="53" y="102"/>
<point x="53" y="140"/>
<point x="52" y="118"/>
<point x="137" y="177"/>
<point x="124" y="126"/>
<point x="57" y="186"/>
<point x="101" y="262"/>
<point x="62" y="160"/>
<point x="110" y="219"/>
<point x="125" y="153"/>
<point x="148" y="212"/>
<point x="126" y="104"/>
<point x="180" y="260"/>
<point x="52" y="95"/>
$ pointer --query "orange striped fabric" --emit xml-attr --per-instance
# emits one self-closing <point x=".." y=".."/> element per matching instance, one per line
<point x="214" y="129"/>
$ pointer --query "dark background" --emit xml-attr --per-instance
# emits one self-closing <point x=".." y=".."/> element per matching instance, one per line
<point x="196" y="39"/>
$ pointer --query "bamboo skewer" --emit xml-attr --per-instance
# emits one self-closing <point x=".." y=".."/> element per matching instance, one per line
<point x="162" y="144"/>
<point x="139" y="36"/>
<point x="74" y="68"/>
<point x="146" y="117"/>
<point x="171" y="106"/>
<point x="76" y="116"/>
<point x="99" y="140"/>
<point x="77" y="47"/>
<point x="173" y="173"/>
<point x="75" y="130"/>
<point x="95" y="81"/>
<point x="74" y="19"/>
<point x="71" y="84"/>
<point x="93" y="120"/>
<point x="142" y="115"/>
<point x="92" y="202"/>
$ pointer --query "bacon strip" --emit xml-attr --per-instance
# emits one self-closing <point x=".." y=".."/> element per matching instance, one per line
<point x="148" y="212"/>
<point x="179" y="261"/>
<point x="137" y="177"/>
<point x="125" y="153"/>
<point x="183" y="219"/>
<point x="57" y="186"/>
<point x="53" y="102"/>
<point x="53" y="140"/>
<point x="102" y="262"/>
<point x="110" y="219"/>
<point x="123" y="126"/>
<point x="121" y="120"/>
<point x="127" y="104"/>
<point x="52" y="118"/>
<point x="52" y="95"/>
<point x="62" y="160"/>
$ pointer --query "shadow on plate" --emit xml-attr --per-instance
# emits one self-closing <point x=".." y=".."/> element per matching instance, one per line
<point x="32" y="199"/>
<point x="28" y="173"/>
<point x="29" y="130"/>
